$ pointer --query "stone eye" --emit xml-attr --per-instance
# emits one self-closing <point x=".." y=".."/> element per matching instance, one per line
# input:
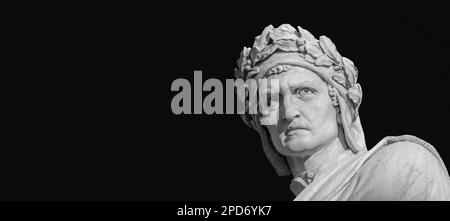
<point x="303" y="91"/>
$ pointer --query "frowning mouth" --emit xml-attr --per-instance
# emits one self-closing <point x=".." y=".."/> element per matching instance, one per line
<point x="295" y="131"/>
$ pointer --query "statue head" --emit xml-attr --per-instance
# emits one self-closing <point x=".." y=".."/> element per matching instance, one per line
<point x="317" y="93"/>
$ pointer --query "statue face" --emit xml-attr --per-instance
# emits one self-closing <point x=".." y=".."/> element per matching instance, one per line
<point x="306" y="116"/>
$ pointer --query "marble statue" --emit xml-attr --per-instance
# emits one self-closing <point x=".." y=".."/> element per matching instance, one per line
<point x="317" y="137"/>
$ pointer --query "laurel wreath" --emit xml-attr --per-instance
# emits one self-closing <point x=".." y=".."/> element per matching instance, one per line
<point x="322" y="53"/>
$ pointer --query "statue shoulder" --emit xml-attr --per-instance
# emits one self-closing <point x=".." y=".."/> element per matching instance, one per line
<point x="403" y="168"/>
<point x="405" y="149"/>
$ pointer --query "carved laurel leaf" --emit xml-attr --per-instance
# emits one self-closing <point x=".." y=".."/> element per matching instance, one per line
<point x="350" y="70"/>
<point x="356" y="90"/>
<point x="305" y="34"/>
<point x="267" y="52"/>
<point x="323" y="60"/>
<point x="337" y="68"/>
<point x="287" y="27"/>
<point x="262" y="40"/>
<point x="278" y="35"/>
<point x="243" y="58"/>
<point x="350" y="74"/>
<point x="338" y="77"/>
<point x="313" y="50"/>
<point x="309" y="58"/>
<point x="288" y="47"/>
<point x="330" y="49"/>
<point x="302" y="49"/>
<point x="354" y="94"/>
<point x="254" y="71"/>
<point x="300" y="42"/>
<point x="253" y="53"/>
<point x="286" y="42"/>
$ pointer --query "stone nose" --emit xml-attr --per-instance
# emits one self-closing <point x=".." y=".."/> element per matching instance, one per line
<point x="290" y="111"/>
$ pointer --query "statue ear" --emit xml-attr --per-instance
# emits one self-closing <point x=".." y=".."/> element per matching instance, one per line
<point x="334" y="101"/>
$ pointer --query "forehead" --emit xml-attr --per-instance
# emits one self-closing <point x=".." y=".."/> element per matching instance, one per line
<point x="296" y="74"/>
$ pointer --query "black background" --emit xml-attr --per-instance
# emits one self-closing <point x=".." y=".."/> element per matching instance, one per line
<point x="108" y="132"/>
